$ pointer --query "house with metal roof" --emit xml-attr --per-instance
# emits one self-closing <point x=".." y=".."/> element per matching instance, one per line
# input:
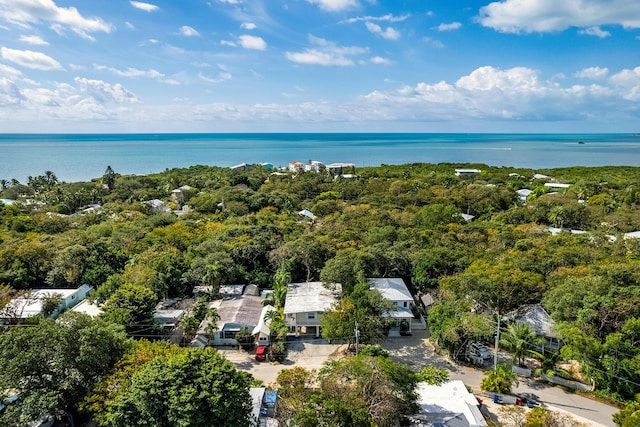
<point x="306" y="302"/>
<point x="235" y="314"/>
<point x="31" y="304"/>
<point x="396" y="291"/>
<point x="447" y="405"/>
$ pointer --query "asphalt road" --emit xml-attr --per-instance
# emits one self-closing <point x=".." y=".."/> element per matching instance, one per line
<point x="416" y="351"/>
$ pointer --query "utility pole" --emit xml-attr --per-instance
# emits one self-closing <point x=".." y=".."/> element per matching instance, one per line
<point x="357" y="331"/>
<point x="495" y="356"/>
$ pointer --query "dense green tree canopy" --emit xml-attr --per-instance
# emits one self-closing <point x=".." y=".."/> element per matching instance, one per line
<point x="357" y="391"/>
<point x="392" y="220"/>
<point x="185" y="387"/>
<point x="53" y="364"/>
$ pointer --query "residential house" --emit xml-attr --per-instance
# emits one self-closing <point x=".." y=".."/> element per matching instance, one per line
<point x="541" y="322"/>
<point x="296" y="166"/>
<point x="632" y="235"/>
<point x="177" y="195"/>
<point x="313" y="166"/>
<point x="30" y="305"/>
<point x="464" y="216"/>
<point x="556" y="185"/>
<point x="541" y="176"/>
<point x="305" y="303"/>
<point x="396" y="291"/>
<point x="447" y="405"/>
<point x="523" y="194"/>
<point x="235" y="314"/>
<point x="262" y="331"/>
<point x="466" y="173"/>
<point x="158" y="205"/>
<point x="307" y="213"/>
<point x="340" y="169"/>
<point x="239" y="167"/>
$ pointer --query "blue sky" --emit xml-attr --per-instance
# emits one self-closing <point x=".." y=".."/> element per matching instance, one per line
<point x="320" y="66"/>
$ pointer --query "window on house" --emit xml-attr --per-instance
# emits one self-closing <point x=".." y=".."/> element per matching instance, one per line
<point x="405" y="304"/>
<point x="311" y="316"/>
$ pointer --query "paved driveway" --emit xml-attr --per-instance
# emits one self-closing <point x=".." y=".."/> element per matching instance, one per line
<point x="416" y="351"/>
<point x="309" y="355"/>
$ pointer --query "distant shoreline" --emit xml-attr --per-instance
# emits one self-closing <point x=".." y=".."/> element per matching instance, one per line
<point x="82" y="157"/>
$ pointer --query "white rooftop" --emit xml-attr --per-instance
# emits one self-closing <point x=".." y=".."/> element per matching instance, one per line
<point x="450" y="399"/>
<point x="391" y="289"/>
<point x="31" y="304"/>
<point x="556" y="185"/>
<point x="87" y="307"/>
<point x="263" y="325"/>
<point x="310" y="297"/>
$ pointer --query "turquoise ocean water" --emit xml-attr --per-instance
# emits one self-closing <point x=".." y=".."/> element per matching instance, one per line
<point x="74" y="157"/>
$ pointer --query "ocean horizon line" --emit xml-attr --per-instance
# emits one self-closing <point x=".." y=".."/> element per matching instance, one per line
<point x="84" y="156"/>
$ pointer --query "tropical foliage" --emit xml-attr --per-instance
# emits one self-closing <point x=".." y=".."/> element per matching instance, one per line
<point x="390" y="221"/>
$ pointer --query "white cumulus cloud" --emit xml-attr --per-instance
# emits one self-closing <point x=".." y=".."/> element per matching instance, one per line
<point x="30" y="59"/>
<point x="388" y="17"/>
<point x="326" y="53"/>
<point x="147" y="7"/>
<point x="628" y="81"/>
<point x="380" y="60"/>
<point x="34" y="40"/>
<point x="334" y="5"/>
<point x="449" y="27"/>
<point x="526" y="16"/>
<point x="105" y="92"/>
<point x="595" y="31"/>
<point x="592" y="73"/>
<point x="248" y="26"/>
<point x="26" y="12"/>
<point x="131" y="72"/>
<point x="252" y="42"/>
<point x="188" y="31"/>
<point x="389" y="33"/>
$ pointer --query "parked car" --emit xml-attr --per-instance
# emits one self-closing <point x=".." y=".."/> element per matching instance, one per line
<point x="529" y="400"/>
<point x="477" y="353"/>
<point x="261" y="352"/>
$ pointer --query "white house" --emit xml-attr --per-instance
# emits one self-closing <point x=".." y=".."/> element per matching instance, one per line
<point x="341" y="168"/>
<point x="313" y="166"/>
<point x="305" y="303"/>
<point x="307" y="213"/>
<point x="30" y="305"/>
<point x="262" y="331"/>
<point x="523" y="194"/>
<point x="396" y="291"/>
<point x="467" y="172"/>
<point x="448" y="405"/>
<point x="236" y="313"/>
<point x="556" y="185"/>
<point x="296" y="166"/>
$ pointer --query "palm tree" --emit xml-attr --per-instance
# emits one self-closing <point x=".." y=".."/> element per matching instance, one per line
<point x="519" y="338"/>
<point x="557" y="216"/>
<point x="499" y="380"/>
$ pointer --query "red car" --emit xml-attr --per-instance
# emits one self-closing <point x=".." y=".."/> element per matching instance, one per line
<point x="261" y="352"/>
